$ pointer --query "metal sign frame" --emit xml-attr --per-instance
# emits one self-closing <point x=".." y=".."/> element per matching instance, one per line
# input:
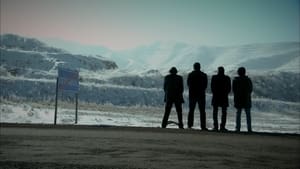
<point x="67" y="80"/>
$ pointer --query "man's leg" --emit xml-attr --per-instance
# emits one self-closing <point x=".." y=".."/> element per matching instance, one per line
<point x="202" y="113"/>
<point x="238" y="119"/>
<point x="178" y="107"/>
<point x="192" y="105"/>
<point x="215" y="117"/>
<point x="248" y="118"/>
<point x="223" y="118"/>
<point x="168" y="107"/>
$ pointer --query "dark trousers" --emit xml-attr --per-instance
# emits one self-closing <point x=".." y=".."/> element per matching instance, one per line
<point x="168" y="108"/>
<point x="248" y="118"/>
<point x="201" y="105"/>
<point x="223" y="117"/>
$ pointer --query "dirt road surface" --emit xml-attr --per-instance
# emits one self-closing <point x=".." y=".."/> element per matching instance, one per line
<point x="95" y="147"/>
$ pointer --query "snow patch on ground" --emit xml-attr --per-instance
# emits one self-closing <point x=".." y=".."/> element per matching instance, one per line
<point x="25" y="113"/>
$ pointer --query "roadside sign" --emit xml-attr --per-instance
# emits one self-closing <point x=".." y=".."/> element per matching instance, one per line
<point x="68" y="80"/>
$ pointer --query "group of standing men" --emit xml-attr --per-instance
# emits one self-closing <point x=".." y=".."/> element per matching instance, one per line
<point x="220" y="87"/>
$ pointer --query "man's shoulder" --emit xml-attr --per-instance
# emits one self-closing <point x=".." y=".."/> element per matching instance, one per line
<point x="214" y="77"/>
<point x="242" y="78"/>
<point x="197" y="73"/>
<point x="203" y="74"/>
<point x="173" y="76"/>
<point x="220" y="77"/>
<point x="227" y="77"/>
<point x="236" y="78"/>
<point x="168" y="77"/>
<point x="192" y="72"/>
<point x="179" y="77"/>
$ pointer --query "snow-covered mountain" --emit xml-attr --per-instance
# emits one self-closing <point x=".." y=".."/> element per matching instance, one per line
<point x="28" y="56"/>
<point x="11" y="41"/>
<point x="273" y="68"/>
<point x="282" y="56"/>
<point x="28" y="71"/>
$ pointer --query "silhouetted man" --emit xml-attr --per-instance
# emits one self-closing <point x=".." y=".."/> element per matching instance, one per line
<point x="242" y="89"/>
<point x="197" y="83"/>
<point x="173" y="87"/>
<point x="220" y="88"/>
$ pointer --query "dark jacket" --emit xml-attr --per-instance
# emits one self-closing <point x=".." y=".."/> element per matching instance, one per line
<point x="242" y="89"/>
<point x="173" y="87"/>
<point x="197" y="83"/>
<point x="220" y="88"/>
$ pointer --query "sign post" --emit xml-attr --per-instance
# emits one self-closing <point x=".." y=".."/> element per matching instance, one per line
<point x="67" y="80"/>
<point x="76" y="108"/>
<point x="56" y="92"/>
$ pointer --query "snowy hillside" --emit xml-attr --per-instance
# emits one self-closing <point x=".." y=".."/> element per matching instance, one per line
<point x="29" y="68"/>
<point x="28" y="72"/>
<point x="281" y="56"/>
<point x="260" y="57"/>
<point x="32" y="58"/>
<point x="11" y="41"/>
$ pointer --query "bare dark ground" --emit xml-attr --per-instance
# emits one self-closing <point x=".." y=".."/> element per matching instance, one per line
<point x="93" y="147"/>
<point x="36" y="165"/>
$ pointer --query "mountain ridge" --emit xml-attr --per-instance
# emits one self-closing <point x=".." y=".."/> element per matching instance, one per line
<point x="30" y="56"/>
<point x="24" y="72"/>
<point x="277" y="56"/>
<point x="164" y="56"/>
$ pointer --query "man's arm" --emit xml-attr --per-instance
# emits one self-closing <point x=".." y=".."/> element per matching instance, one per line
<point x="205" y="81"/>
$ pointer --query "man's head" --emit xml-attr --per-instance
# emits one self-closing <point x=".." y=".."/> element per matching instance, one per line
<point x="173" y="70"/>
<point x="221" y="70"/>
<point x="197" y="66"/>
<point x="241" y="71"/>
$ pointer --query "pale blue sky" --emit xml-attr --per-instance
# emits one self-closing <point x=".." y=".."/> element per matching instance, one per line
<point x="120" y="24"/>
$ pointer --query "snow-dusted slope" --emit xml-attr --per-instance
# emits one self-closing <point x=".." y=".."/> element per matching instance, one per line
<point x="28" y="70"/>
<point x="23" y="56"/>
<point x="282" y="56"/>
<point x="11" y="41"/>
<point x="274" y="69"/>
